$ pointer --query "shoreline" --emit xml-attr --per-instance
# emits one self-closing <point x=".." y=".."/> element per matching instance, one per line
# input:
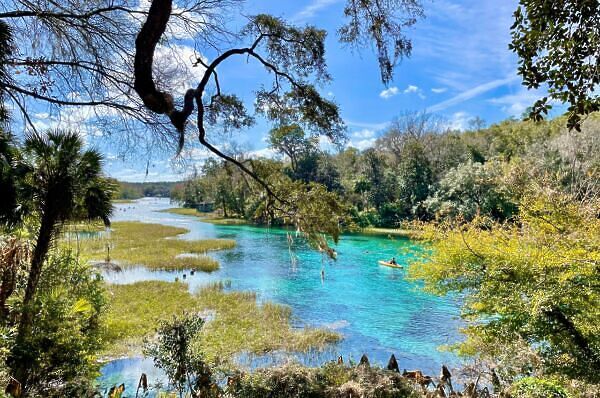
<point x="211" y="218"/>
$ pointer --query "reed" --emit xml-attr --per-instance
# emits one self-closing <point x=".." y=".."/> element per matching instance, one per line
<point x="237" y="322"/>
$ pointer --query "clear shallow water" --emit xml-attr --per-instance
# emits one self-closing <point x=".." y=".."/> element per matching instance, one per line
<point x="373" y="307"/>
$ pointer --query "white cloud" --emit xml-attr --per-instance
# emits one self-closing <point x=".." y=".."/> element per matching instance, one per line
<point x="460" y="121"/>
<point x="516" y="104"/>
<point x="364" y="133"/>
<point x="310" y="10"/>
<point x="362" y="144"/>
<point x="439" y="90"/>
<point x="471" y="93"/>
<point x="362" y="139"/>
<point x="389" y="93"/>
<point x="412" y="89"/>
<point x="370" y="126"/>
<point x="268" y="153"/>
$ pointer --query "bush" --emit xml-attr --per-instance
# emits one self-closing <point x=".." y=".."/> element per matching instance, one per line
<point x="531" y="387"/>
<point x="61" y="350"/>
<point x="330" y="381"/>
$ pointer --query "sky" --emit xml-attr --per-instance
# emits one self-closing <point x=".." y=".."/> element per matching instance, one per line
<point x="460" y="68"/>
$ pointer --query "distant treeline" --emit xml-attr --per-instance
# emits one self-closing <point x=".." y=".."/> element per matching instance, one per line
<point x="136" y="190"/>
<point x="419" y="169"/>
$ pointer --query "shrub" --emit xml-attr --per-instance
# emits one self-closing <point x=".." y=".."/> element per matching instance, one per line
<point x="61" y="350"/>
<point x="531" y="387"/>
<point x="329" y="381"/>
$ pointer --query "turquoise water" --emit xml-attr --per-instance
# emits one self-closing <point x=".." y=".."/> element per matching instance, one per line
<point x="376" y="310"/>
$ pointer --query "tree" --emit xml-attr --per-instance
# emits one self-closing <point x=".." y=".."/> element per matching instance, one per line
<point x="414" y="178"/>
<point x="374" y="166"/>
<point x="173" y="352"/>
<point x="292" y="142"/>
<point x="106" y="55"/>
<point x="9" y="155"/>
<point x="472" y="189"/>
<point x="60" y="182"/>
<point x="526" y="286"/>
<point x="61" y="351"/>
<point x="557" y="43"/>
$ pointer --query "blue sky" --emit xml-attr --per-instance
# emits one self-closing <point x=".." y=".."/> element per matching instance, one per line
<point x="460" y="68"/>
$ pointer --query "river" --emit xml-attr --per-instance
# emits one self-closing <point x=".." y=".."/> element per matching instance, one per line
<point x="375" y="309"/>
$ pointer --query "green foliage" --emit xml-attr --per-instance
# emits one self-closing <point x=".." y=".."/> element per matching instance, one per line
<point x="291" y="141"/>
<point x="557" y="45"/>
<point x="472" y="189"/>
<point x="172" y="352"/>
<point x="530" y="387"/>
<point x="136" y="310"/>
<point x="531" y="284"/>
<point x="9" y="154"/>
<point x="304" y="106"/>
<point x="416" y="171"/>
<point x="62" y="181"/>
<point x="414" y="178"/>
<point x="152" y="246"/>
<point x="329" y="381"/>
<point x="57" y="181"/>
<point x="66" y="336"/>
<point x="239" y="323"/>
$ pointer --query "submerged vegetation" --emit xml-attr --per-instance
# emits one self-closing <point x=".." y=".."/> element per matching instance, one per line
<point x="235" y="322"/>
<point x="153" y="246"/>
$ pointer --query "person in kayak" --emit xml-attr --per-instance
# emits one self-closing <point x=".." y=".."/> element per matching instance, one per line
<point x="393" y="261"/>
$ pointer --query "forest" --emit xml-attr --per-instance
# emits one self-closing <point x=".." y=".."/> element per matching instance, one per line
<point x="136" y="190"/>
<point x="418" y="170"/>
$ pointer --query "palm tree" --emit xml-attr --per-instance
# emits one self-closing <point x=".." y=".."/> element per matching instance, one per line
<point x="61" y="182"/>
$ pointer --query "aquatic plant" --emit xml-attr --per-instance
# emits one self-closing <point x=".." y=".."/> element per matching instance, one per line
<point x="235" y="322"/>
<point x="154" y="246"/>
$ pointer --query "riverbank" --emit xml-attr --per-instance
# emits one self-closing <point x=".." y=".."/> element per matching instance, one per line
<point x="213" y="218"/>
<point x="393" y="232"/>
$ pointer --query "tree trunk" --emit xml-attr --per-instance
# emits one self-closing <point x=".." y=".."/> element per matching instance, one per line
<point x="20" y="365"/>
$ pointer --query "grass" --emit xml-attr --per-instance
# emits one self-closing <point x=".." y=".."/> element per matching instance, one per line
<point x="123" y="201"/>
<point x="184" y="211"/>
<point x="212" y="218"/>
<point x="154" y="246"/>
<point x="396" y="232"/>
<point x="240" y="324"/>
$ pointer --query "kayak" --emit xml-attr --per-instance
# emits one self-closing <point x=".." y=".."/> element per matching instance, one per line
<point x="381" y="262"/>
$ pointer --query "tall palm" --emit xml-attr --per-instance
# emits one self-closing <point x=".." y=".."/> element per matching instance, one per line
<point x="9" y="154"/>
<point x="61" y="182"/>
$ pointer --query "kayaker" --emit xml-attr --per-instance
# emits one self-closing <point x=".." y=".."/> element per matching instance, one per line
<point x="393" y="261"/>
